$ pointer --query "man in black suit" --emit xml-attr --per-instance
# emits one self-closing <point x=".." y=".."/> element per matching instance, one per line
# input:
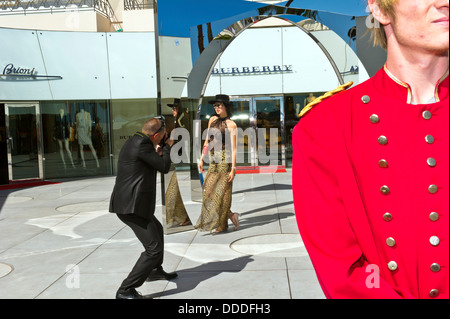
<point x="133" y="200"/>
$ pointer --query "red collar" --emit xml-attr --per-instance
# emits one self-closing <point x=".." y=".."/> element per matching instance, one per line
<point x="388" y="83"/>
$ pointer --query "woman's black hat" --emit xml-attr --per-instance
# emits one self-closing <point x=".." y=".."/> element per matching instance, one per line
<point x="176" y="102"/>
<point x="221" y="98"/>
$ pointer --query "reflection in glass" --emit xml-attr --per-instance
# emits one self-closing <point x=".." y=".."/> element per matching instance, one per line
<point x="209" y="39"/>
<point x="175" y="216"/>
<point x="128" y="116"/>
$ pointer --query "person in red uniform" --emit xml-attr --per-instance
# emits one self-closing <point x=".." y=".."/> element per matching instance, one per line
<point x="371" y="166"/>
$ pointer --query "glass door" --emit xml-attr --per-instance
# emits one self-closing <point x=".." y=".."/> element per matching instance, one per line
<point x="270" y="130"/>
<point x="261" y="138"/>
<point x="4" y="177"/>
<point x="246" y="143"/>
<point x="23" y="137"/>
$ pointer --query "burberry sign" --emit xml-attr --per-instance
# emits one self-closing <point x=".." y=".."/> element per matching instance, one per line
<point x="254" y="70"/>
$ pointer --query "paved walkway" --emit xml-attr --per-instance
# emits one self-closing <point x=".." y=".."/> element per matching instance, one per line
<point x="59" y="241"/>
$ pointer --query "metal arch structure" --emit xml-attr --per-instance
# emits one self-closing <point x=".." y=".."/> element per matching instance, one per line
<point x="176" y="17"/>
<point x="342" y="24"/>
<point x="201" y="72"/>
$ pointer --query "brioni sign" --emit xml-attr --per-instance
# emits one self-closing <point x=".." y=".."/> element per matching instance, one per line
<point x="10" y="69"/>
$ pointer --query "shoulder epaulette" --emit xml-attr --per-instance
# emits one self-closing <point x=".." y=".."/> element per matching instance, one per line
<point x="340" y="88"/>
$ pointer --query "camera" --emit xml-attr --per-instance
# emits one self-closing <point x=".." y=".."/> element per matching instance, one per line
<point x="163" y="124"/>
<point x="164" y="140"/>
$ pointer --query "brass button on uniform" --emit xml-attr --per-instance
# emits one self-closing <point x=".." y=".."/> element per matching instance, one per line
<point x="383" y="163"/>
<point x="434" y="216"/>
<point x="431" y="162"/>
<point x="432" y="189"/>
<point x="365" y="99"/>
<point x="385" y="190"/>
<point x="434" y="240"/>
<point x="435" y="267"/>
<point x="429" y="139"/>
<point x="374" y="119"/>
<point x="434" y="293"/>
<point x="426" y="115"/>
<point x="382" y="140"/>
<point x="390" y="242"/>
<point x="392" y="265"/>
<point x="387" y="217"/>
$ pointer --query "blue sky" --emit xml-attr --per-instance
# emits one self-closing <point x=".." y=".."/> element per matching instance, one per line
<point x="176" y="17"/>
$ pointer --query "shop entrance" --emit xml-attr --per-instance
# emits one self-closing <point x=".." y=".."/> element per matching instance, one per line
<point x="263" y="117"/>
<point x="24" y="154"/>
<point x="4" y="178"/>
<point x="270" y="127"/>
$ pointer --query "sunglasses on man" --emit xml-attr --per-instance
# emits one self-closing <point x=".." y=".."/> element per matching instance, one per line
<point x="163" y="123"/>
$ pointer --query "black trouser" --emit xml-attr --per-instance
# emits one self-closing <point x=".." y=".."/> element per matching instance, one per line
<point x="150" y="234"/>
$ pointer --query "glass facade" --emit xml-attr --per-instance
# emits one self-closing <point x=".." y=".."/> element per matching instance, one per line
<point x="66" y="139"/>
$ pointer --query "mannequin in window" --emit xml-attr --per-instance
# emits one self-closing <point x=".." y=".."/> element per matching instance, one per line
<point x="310" y="98"/>
<point x="307" y="100"/>
<point x="84" y="128"/>
<point x="62" y="135"/>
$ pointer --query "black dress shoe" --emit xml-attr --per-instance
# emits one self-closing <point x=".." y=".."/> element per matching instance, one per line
<point x="160" y="274"/>
<point x="130" y="294"/>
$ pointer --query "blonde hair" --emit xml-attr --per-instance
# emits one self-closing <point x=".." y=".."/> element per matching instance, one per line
<point x="378" y="35"/>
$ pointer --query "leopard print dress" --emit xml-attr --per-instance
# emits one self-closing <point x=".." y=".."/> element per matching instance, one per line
<point x="216" y="205"/>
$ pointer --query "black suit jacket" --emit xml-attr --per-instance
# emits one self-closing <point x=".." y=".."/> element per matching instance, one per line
<point x="135" y="188"/>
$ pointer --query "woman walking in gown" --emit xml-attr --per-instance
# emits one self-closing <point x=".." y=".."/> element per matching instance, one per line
<point x="218" y="184"/>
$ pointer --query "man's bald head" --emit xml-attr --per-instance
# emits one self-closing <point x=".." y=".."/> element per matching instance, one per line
<point x="151" y="126"/>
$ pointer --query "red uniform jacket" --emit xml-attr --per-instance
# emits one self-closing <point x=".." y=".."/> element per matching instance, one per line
<point x="371" y="191"/>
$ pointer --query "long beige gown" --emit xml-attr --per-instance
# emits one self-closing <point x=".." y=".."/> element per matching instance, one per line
<point x="216" y="205"/>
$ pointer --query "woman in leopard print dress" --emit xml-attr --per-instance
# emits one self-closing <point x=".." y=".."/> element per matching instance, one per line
<point x="217" y="187"/>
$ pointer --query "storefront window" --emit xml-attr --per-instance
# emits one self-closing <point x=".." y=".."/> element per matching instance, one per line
<point x="128" y="116"/>
<point x="76" y="138"/>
